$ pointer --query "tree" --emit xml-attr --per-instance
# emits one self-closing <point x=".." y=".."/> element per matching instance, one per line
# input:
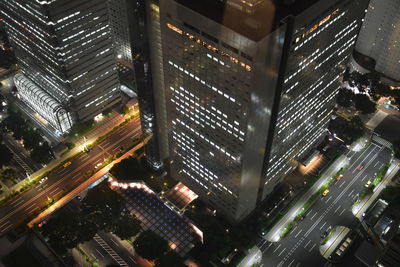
<point x="127" y="226"/>
<point x="396" y="149"/>
<point x="5" y="156"/>
<point x="129" y="169"/>
<point x="126" y="109"/>
<point x="32" y="139"/>
<point x="345" y="97"/>
<point x="150" y="246"/>
<point x="170" y="259"/>
<point x="8" y="174"/>
<point x="364" y="104"/>
<point x="42" y="153"/>
<point x="102" y="206"/>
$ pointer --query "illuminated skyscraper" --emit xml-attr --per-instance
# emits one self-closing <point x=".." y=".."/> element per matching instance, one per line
<point x="380" y="37"/>
<point x="65" y="52"/>
<point x="250" y="87"/>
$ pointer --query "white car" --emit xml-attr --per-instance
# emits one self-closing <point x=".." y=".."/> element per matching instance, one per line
<point x="43" y="180"/>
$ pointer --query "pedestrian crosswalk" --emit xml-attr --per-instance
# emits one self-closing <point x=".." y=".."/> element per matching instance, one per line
<point x="109" y="250"/>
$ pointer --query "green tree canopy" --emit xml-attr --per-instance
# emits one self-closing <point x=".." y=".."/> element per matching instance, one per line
<point x="5" y="156"/>
<point x="151" y="246"/>
<point x="170" y="259"/>
<point x="345" y="97"/>
<point x="364" y="104"/>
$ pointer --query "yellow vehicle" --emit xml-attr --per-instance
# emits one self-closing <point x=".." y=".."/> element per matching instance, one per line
<point x="368" y="184"/>
<point x="66" y="164"/>
<point x="326" y="192"/>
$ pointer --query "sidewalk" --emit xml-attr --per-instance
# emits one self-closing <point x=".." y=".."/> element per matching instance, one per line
<point x="274" y="234"/>
<point x="253" y="256"/>
<point x="361" y="207"/>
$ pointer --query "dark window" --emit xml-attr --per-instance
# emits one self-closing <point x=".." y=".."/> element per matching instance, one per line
<point x="210" y="37"/>
<point x="191" y="27"/>
<point x="231" y="48"/>
<point x="246" y="56"/>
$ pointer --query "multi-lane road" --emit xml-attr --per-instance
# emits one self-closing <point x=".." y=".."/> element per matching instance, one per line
<point x="67" y="178"/>
<point x="301" y="246"/>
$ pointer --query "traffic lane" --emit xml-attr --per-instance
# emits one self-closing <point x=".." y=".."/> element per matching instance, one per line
<point x="302" y="229"/>
<point x="337" y="213"/>
<point x="97" y="252"/>
<point x="125" y="254"/>
<point x="53" y="186"/>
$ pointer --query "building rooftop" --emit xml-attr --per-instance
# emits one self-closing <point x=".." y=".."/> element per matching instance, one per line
<point x="389" y="129"/>
<point x="252" y="18"/>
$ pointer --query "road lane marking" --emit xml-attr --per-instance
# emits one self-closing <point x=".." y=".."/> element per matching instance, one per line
<point x="342" y="212"/>
<point x="322" y="226"/>
<point x="312" y="248"/>
<point x="314" y="215"/>
<point x="132" y="259"/>
<point x="352" y="191"/>
<point x="114" y="242"/>
<point x="364" y="177"/>
<point x="328" y="199"/>
<point x="281" y="252"/>
<point x="291" y="263"/>
<point x="376" y="163"/>
<point x="277" y="248"/>
<point x="7" y="222"/>
<point x="337" y="208"/>
<point x="16" y="203"/>
<point x="100" y="253"/>
<point x="18" y="198"/>
<point x="5" y="229"/>
<point x="53" y="191"/>
<point x="309" y="241"/>
<point x="31" y="206"/>
<point x="294" y="229"/>
<point x="301" y="230"/>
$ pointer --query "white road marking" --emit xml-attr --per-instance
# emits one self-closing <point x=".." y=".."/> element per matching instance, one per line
<point x="291" y="263"/>
<point x="277" y="248"/>
<point x="312" y="248"/>
<point x="322" y="226"/>
<point x="114" y="242"/>
<point x="314" y="215"/>
<point x="309" y="241"/>
<point x="100" y="253"/>
<point x="352" y="191"/>
<point x="301" y="230"/>
<point x="281" y="252"/>
<point x="337" y="208"/>
<point x="6" y="222"/>
<point x="328" y="199"/>
<point x="376" y="163"/>
<point x="342" y="212"/>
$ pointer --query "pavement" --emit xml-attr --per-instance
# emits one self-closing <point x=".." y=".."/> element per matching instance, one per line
<point x="64" y="179"/>
<point x="300" y="247"/>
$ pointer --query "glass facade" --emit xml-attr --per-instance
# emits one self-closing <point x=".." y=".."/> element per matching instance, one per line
<point x="64" y="47"/>
<point x="249" y="89"/>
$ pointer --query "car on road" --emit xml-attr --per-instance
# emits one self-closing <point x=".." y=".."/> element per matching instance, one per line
<point x="360" y="167"/>
<point x="368" y="183"/>
<point x="325" y="193"/>
<point x="44" y="179"/>
<point x="339" y="177"/>
<point x="98" y="165"/>
<point x="66" y="164"/>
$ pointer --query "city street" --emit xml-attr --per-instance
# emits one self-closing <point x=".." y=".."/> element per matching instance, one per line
<point x="301" y="246"/>
<point x="66" y="178"/>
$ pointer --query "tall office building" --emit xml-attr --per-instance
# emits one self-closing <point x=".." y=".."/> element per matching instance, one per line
<point x="380" y="37"/>
<point x="249" y="88"/>
<point x="64" y="48"/>
<point x="121" y="14"/>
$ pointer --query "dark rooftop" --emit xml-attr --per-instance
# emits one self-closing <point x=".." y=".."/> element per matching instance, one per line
<point x="256" y="22"/>
<point x="389" y="129"/>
